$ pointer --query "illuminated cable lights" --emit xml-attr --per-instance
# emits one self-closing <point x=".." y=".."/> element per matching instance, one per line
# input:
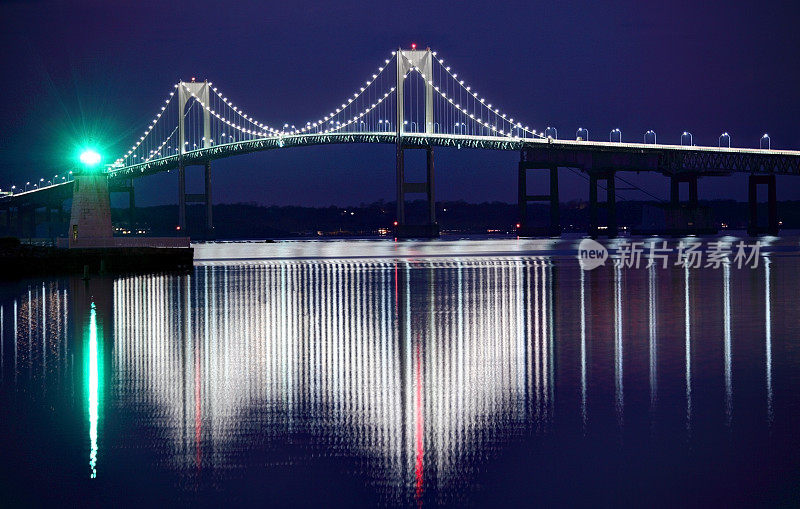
<point x="356" y="95"/>
<point x="345" y="115"/>
<point x="482" y="101"/>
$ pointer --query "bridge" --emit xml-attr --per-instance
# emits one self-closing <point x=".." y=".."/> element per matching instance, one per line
<point x="415" y="101"/>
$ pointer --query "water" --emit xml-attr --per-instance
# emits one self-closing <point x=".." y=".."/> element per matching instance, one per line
<point x="476" y="372"/>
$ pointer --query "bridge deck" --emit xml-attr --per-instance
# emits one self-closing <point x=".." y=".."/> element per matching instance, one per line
<point x="588" y="155"/>
<point x="585" y="155"/>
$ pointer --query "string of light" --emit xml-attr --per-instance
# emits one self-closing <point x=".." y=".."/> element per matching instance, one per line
<point x="482" y="101"/>
<point x="248" y="125"/>
<point x="348" y="102"/>
<point x="148" y="130"/>
<point x="263" y="133"/>
<point x="238" y="111"/>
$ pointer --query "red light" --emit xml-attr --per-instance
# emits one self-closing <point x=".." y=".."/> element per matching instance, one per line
<point x="413" y="45"/>
<point x="518" y="225"/>
<point x="395" y="223"/>
<point x="178" y="227"/>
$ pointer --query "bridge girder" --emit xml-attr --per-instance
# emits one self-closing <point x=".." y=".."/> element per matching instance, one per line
<point x="587" y="156"/>
<point x="668" y="160"/>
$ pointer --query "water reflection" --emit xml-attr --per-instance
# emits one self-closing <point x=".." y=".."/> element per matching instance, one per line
<point x="727" y="344"/>
<point x="768" y="335"/>
<point x="583" y="350"/>
<point x="94" y="384"/>
<point x="618" y="364"/>
<point x="652" y="322"/>
<point x="687" y="310"/>
<point x="414" y="368"/>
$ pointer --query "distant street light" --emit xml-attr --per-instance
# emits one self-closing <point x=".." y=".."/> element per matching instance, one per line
<point x="549" y="130"/>
<point x="765" y="139"/>
<point x="611" y="135"/>
<point x="582" y="134"/>
<point x="652" y="134"/>
<point x="727" y="138"/>
<point x="687" y="134"/>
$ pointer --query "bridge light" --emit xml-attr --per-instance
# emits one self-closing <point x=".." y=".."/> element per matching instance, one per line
<point x="413" y="45"/>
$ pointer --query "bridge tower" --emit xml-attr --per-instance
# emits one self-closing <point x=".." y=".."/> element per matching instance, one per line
<point x="419" y="61"/>
<point x="199" y="91"/>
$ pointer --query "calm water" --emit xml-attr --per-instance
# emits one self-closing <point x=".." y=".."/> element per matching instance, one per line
<point x="380" y="373"/>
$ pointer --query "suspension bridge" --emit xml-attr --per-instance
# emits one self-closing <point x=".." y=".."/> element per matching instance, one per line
<point x="415" y="101"/>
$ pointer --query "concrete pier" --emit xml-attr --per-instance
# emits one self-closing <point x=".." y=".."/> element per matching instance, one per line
<point x="772" y="226"/>
<point x="525" y="229"/>
<point x="403" y="229"/>
<point x="610" y="204"/>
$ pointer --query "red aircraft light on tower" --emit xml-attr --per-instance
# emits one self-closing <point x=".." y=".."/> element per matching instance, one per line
<point x="413" y="45"/>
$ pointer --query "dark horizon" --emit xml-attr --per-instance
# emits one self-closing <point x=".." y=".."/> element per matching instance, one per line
<point x="255" y="221"/>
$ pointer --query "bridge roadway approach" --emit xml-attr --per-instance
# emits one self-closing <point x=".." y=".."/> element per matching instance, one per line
<point x="599" y="161"/>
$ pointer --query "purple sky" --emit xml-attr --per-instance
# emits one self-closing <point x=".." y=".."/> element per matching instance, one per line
<point x="78" y="69"/>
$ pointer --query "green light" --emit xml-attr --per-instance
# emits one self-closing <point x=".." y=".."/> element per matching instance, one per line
<point x="90" y="157"/>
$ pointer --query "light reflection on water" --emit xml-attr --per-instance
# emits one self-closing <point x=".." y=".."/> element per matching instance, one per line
<point x="413" y="376"/>
<point x="94" y="389"/>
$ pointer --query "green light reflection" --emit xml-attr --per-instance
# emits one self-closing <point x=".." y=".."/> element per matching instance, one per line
<point x="94" y="390"/>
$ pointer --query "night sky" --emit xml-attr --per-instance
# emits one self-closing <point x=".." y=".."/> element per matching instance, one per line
<point x="79" y="70"/>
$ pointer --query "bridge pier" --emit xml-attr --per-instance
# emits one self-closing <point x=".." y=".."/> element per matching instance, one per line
<point x="431" y="228"/>
<point x="753" y="227"/>
<point x="209" y="215"/>
<point x="523" y="198"/>
<point x="27" y="221"/>
<point x="685" y="217"/>
<point x="14" y="223"/>
<point x="48" y="218"/>
<point x="181" y="198"/>
<point x="610" y="203"/>
<point x="204" y="198"/>
<point x="131" y="206"/>
<point x="127" y="187"/>
<point x="674" y="192"/>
